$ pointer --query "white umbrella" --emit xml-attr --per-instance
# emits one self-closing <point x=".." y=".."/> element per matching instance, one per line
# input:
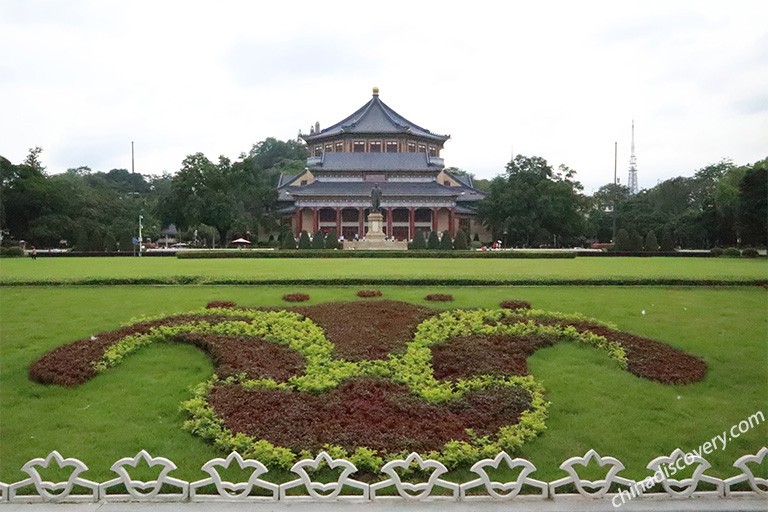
<point x="240" y="241"/>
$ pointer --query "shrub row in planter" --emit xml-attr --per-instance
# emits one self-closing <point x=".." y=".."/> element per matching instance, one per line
<point x="373" y="281"/>
<point x="324" y="253"/>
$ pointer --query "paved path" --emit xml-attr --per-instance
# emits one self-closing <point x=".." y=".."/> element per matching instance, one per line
<point x="560" y="505"/>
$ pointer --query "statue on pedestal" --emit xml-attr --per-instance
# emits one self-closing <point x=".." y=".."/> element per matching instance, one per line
<point x="375" y="199"/>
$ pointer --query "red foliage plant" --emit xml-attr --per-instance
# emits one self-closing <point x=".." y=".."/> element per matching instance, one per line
<point x="439" y="297"/>
<point x="365" y="411"/>
<point x="367" y="330"/>
<point x="221" y="304"/>
<point x="364" y="294"/>
<point x="72" y="364"/>
<point x="468" y="356"/>
<point x="256" y="357"/>
<point x="296" y="297"/>
<point x="515" y="304"/>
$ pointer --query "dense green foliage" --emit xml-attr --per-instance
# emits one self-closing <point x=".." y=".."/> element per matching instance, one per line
<point x="332" y="240"/>
<point x="433" y="241"/>
<point x="531" y="204"/>
<point x="720" y="205"/>
<point x="99" y="211"/>
<point x="460" y="242"/>
<point x="91" y="211"/>
<point x="446" y="243"/>
<point x="418" y="243"/>
<point x="304" y="241"/>
<point x="318" y="240"/>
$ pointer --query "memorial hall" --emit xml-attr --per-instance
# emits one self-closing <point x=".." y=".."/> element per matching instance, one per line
<point x="377" y="147"/>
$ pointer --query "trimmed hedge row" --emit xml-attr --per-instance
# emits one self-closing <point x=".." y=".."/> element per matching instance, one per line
<point x="82" y="254"/>
<point x="373" y="281"/>
<point x="11" y="252"/>
<point x="309" y="253"/>
<point x="646" y="254"/>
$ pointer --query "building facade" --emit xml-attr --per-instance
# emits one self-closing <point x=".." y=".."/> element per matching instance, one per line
<point x="376" y="145"/>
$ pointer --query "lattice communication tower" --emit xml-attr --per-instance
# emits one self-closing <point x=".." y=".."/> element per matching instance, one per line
<point x="632" y="179"/>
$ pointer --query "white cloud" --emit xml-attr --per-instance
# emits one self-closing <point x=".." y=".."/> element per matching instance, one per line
<point x="558" y="79"/>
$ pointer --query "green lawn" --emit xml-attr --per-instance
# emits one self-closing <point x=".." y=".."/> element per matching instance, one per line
<point x="68" y="269"/>
<point x="594" y="403"/>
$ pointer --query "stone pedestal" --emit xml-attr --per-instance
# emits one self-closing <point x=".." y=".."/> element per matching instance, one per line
<point x="375" y="233"/>
<point x="375" y="239"/>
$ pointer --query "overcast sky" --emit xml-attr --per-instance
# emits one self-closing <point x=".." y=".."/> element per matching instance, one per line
<point x="557" y="79"/>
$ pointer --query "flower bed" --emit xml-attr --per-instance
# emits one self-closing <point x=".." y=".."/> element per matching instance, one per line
<point x="366" y="294"/>
<point x="515" y="304"/>
<point x="439" y="297"/>
<point x="367" y="330"/>
<point x="368" y="380"/>
<point x="295" y="297"/>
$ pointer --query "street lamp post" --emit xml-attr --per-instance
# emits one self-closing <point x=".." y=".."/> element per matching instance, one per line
<point x="141" y="217"/>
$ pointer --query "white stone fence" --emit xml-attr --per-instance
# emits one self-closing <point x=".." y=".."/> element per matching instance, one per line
<point x="611" y="486"/>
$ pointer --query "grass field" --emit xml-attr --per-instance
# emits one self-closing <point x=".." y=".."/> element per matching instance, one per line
<point x="69" y="269"/>
<point x="594" y="403"/>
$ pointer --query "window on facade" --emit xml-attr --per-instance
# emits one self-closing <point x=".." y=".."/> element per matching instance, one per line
<point x="328" y="148"/>
<point x="447" y="183"/>
<point x="318" y="150"/>
<point x="303" y="182"/>
<point x="432" y="151"/>
<point x="374" y="146"/>
<point x="391" y="146"/>
<point x="339" y="147"/>
<point x="411" y="147"/>
<point x="422" y="148"/>
<point x="359" y="146"/>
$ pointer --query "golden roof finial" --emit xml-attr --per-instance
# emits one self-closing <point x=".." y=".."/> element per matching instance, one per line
<point x="375" y="91"/>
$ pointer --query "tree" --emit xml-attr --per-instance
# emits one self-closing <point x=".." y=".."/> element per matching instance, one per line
<point x="604" y="210"/>
<point x="304" y="242"/>
<point x="231" y="195"/>
<point x="418" y="242"/>
<point x="667" y="240"/>
<point x="533" y="203"/>
<point x="622" y="241"/>
<point x="753" y="205"/>
<point x="318" y="240"/>
<point x="332" y="240"/>
<point x="33" y="160"/>
<point x="433" y="242"/>
<point x="460" y="243"/>
<point x="446" y="243"/>
<point x="635" y="241"/>
<point x="651" y="244"/>
<point x="286" y="239"/>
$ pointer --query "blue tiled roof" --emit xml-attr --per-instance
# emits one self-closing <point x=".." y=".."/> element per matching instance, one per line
<point x="375" y="117"/>
<point x="361" y="188"/>
<point x="373" y="162"/>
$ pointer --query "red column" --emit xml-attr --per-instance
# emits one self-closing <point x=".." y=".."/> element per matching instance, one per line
<point x="451" y="221"/>
<point x="360" y="221"/>
<point x="298" y="222"/>
<point x="389" y="222"/>
<point x="315" y="221"/>
<point x="434" y="219"/>
<point x="338" y="221"/>
<point x="411" y="223"/>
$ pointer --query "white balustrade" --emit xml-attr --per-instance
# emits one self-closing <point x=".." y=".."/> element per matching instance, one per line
<point x="610" y="486"/>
